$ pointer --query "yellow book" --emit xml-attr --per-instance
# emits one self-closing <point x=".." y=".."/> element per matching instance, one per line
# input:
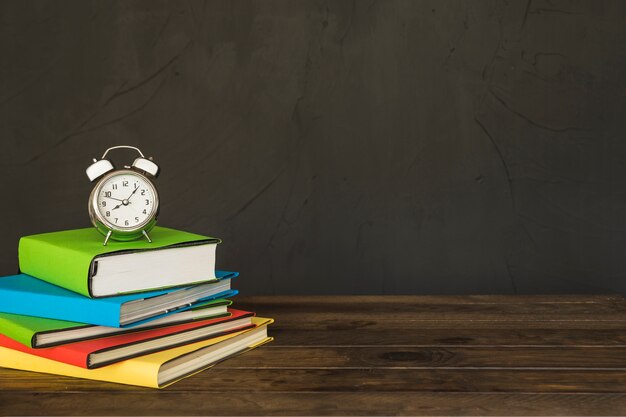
<point x="156" y="370"/>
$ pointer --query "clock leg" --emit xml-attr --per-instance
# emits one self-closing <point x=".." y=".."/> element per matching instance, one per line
<point x="106" y="239"/>
<point x="146" y="235"/>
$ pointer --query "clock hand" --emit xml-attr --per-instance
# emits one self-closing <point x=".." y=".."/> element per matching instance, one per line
<point x="131" y="194"/>
<point x="123" y="202"/>
<point x="113" y="198"/>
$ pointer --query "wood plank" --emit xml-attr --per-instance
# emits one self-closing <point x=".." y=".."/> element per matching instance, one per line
<point x="427" y="320"/>
<point x="399" y="380"/>
<point x="349" y="380"/>
<point x="443" y="311"/>
<point x="572" y="357"/>
<point x="294" y="336"/>
<point x="394" y="307"/>
<point x="165" y="402"/>
<point x="364" y="322"/>
<point x="296" y="301"/>
<point x="333" y="321"/>
<point x="346" y="313"/>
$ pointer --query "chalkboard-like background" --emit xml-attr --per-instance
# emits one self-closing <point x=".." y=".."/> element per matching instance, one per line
<point x="376" y="147"/>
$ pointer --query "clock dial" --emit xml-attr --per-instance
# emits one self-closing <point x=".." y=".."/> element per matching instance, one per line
<point x="126" y="201"/>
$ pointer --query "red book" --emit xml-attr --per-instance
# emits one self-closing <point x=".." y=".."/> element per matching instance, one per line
<point x="95" y="353"/>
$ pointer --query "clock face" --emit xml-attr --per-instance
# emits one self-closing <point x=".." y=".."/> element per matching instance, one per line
<point x="126" y="201"/>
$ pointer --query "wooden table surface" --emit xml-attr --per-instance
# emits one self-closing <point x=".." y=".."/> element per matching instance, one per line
<point x="388" y="355"/>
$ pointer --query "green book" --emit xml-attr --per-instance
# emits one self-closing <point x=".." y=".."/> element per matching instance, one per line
<point x="78" y="261"/>
<point x="37" y="332"/>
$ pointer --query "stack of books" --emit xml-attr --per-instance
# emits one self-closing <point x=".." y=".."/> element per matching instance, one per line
<point x="137" y="313"/>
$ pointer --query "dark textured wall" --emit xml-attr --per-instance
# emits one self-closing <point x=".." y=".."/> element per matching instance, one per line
<point x="336" y="147"/>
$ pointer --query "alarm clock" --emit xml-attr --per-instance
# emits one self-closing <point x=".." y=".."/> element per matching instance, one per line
<point x="124" y="203"/>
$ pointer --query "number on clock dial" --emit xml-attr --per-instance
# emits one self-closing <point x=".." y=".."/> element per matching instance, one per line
<point x="126" y="201"/>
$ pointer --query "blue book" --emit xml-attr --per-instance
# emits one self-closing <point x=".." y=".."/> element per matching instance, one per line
<point x="29" y="296"/>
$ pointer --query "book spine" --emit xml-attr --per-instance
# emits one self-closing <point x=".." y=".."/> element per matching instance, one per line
<point x="16" y="332"/>
<point x="59" y="353"/>
<point x="76" y="308"/>
<point x="55" y="264"/>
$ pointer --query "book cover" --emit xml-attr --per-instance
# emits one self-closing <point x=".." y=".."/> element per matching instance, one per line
<point x="25" y="295"/>
<point x="38" y="332"/>
<point x="124" y="346"/>
<point x="149" y="370"/>
<point x="68" y="258"/>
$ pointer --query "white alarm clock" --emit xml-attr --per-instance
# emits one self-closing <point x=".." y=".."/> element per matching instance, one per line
<point x="124" y="203"/>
